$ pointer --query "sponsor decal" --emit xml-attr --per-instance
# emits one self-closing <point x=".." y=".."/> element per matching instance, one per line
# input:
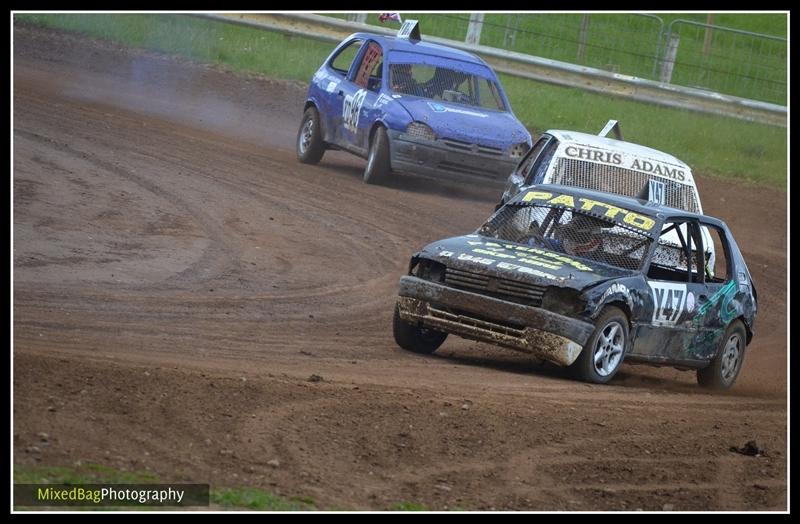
<point x="527" y="255"/>
<point x="657" y="191"/>
<point x="528" y="271"/>
<point x="619" y="214"/>
<point x="709" y="339"/>
<point x="725" y="295"/>
<point x="669" y="301"/>
<point x="616" y="158"/>
<point x="594" y="155"/>
<point x="331" y="87"/>
<point x="501" y="264"/>
<point x="616" y="289"/>
<point x="658" y="169"/>
<point x="382" y="100"/>
<point x="469" y="258"/>
<point x="351" y="109"/>
<point x="441" y="108"/>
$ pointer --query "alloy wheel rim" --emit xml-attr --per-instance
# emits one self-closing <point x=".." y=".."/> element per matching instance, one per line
<point x="608" y="349"/>
<point x="730" y="358"/>
<point x="305" y="135"/>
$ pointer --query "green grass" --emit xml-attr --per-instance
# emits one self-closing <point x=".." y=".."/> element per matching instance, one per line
<point x="82" y="475"/>
<point x="239" y="48"/>
<point x="231" y="498"/>
<point x="255" y="499"/>
<point x="629" y="43"/>
<point x="712" y="145"/>
<point x="408" y="506"/>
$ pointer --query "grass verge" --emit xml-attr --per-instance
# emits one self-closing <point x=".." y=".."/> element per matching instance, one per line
<point x="713" y="145"/>
<point x="234" y="498"/>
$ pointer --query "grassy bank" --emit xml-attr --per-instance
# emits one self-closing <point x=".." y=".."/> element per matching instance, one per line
<point x="629" y="43"/>
<point x="220" y="498"/>
<point x="246" y="498"/>
<point x="712" y="145"/>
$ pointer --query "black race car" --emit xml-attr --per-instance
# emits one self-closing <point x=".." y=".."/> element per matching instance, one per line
<point x="586" y="279"/>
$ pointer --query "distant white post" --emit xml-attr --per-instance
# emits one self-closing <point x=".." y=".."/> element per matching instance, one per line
<point x="474" y="29"/>
<point x="669" y="58"/>
<point x="361" y="18"/>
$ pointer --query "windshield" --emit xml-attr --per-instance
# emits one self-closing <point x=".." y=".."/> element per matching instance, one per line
<point x="440" y="82"/>
<point x="571" y="232"/>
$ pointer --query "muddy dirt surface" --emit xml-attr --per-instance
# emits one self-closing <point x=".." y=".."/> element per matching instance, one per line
<point x="179" y="278"/>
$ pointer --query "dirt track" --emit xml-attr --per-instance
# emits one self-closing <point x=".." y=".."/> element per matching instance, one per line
<point x="179" y="276"/>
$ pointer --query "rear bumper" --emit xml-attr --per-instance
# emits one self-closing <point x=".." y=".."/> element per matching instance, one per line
<point x="533" y="330"/>
<point x="448" y="160"/>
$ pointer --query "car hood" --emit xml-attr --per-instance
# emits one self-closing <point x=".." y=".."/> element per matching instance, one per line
<point x="496" y="129"/>
<point x="534" y="265"/>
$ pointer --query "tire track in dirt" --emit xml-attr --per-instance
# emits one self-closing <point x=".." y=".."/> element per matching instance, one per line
<point x="196" y="364"/>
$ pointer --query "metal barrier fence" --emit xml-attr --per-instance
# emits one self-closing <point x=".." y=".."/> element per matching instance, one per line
<point x="333" y="28"/>
<point x="686" y="53"/>
<point x="741" y="63"/>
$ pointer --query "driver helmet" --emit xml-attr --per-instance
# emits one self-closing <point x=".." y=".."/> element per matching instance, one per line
<point x="582" y="236"/>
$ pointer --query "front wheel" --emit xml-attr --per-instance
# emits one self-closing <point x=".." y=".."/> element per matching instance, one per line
<point x="379" y="161"/>
<point x="414" y="337"/>
<point x="310" y="146"/>
<point x="602" y="354"/>
<point x="723" y="370"/>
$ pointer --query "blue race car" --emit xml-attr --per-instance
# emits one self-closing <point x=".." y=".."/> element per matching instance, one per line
<point x="409" y="106"/>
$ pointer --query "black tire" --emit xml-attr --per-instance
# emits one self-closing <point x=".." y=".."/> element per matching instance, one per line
<point x="378" y="161"/>
<point x="723" y="370"/>
<point x="416" y="338"/>
<point x="612" y="323"/>
<point x="310" y="146"/>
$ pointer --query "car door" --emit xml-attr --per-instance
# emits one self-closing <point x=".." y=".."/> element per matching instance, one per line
<point x="668" y="330"/>
<point x="366" y="105"/>
<point x="718" y="305"/>
<point x="354" y="93"/>
<point x="340" y="68"/>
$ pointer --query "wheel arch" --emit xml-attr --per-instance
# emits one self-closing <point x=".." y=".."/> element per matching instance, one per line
<point x="375" y="125"/>
<point x="747" y="329"/>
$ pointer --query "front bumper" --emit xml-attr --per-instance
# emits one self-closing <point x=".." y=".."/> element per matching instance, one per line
<point x="446" y="159"/>
<point x="544" y="334"/>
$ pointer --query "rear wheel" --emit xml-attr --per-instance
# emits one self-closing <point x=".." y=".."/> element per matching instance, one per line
<point x="723" y="370"/>
<point x="414" y="337"/>
<point x="310" y="146"/>
<point x="378" y="162"/>
<point x="603" y="352"/>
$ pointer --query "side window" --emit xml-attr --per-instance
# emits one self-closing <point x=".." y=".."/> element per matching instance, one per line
<point x="489" y="95"/>
<point x="536" y="176"/>
<point x="677" y="255"/>
<point x="344" y="59"/>
<point x="369" y="71"/>
<point x="719" y="269"/>
<point x="527" y="162"/>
